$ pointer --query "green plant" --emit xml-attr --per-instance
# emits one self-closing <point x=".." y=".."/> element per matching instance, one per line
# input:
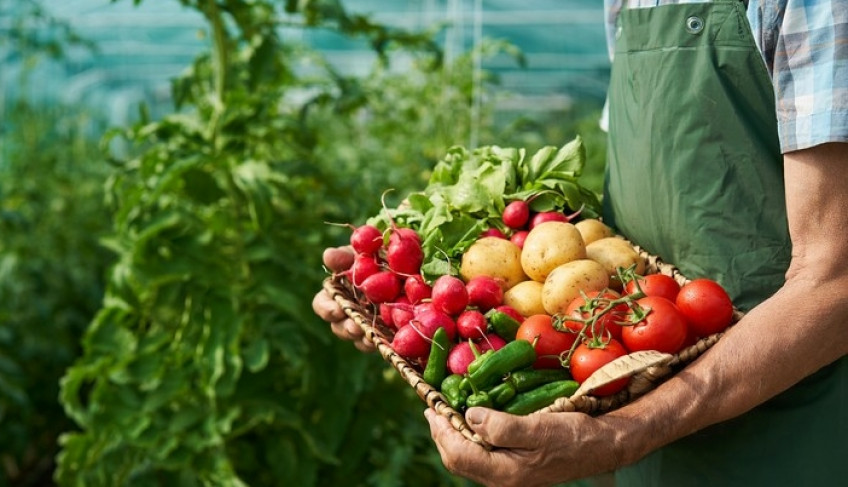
<point x="205" y="364"/>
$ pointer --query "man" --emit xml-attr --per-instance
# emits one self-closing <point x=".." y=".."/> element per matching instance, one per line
<point x="703" y="173"/>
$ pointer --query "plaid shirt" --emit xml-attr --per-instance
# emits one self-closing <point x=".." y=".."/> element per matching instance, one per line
<point x="805" y="47"/>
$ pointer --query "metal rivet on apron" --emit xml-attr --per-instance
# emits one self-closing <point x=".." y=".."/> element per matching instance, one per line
<point x="694" y="25"/>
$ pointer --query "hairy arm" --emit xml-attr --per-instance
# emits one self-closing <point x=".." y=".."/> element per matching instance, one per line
<point x="748" y="366"/>
<point x="752" y="363"/>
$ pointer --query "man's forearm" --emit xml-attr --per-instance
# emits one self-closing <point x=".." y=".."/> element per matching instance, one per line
<point x="799" y="330"/>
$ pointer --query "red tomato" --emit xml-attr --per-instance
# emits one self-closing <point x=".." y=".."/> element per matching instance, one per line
<point x="609" y="322"/>
<point x="706" y="306"/>
<point x="662" y="328"/>
<point x="587" y="358"/>
<point x="655" y="285"/>
<point x="550" y="342"/>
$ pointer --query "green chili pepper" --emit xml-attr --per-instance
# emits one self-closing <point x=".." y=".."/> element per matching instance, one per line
<point x="478" y="360"/>
<point x="502" y="394"/>
<point x="437" y="363"/>
<point x="479" y="399"/>
<point x="514" y="355"/>
<point x="540" y="397"/>
<point x="504" y="325"/>
<point x="455" y="396"/>
<point x="527" y="379"/>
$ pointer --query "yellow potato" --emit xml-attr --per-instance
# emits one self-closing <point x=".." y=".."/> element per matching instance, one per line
<point x="494" y="257"/>
<point x="549" y="245"/>
<point x="612" y="253"/>
<point x="566" y="281"/>
<point x="592" y="229"/>
<point x="526" y="298"/>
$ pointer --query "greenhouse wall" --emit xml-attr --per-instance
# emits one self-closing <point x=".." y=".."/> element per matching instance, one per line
<point x="139" y="48"/>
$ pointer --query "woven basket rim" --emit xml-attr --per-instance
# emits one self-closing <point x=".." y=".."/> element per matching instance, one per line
<point x="642" y="382"/>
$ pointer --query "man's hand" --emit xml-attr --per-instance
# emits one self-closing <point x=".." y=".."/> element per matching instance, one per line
<point x="534" y="450"/>
<point x="339" y="259"/>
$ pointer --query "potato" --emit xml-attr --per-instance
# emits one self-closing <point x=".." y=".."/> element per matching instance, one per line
<point x="614" y="252"/>
<point x="526" y="298"/>
<point x="566" y="281"/>
<point x="549" y="245"/>
<point x="592" y="229"/>
<point x="495" y="257"/>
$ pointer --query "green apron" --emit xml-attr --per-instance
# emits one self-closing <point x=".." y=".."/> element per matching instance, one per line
<point x="695" y="176"/>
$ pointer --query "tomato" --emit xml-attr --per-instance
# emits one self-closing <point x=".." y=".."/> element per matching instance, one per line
<point x="655" y="285"/>
<point x="587" y="358"/>
<point x="662" y="326"/>
<point x="609" y="322"/>
<point x="550" y="342"/>
<point x="706" y="306"/>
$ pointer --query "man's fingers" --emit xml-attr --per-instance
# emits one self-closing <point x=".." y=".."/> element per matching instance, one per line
<point x="501" y="429"/>
<point x="459" y="455"/>
<point x="338" y="259"/>
<point x="327" y="308"/>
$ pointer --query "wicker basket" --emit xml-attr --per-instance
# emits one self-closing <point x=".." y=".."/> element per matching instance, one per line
<point x="647" y="369"/>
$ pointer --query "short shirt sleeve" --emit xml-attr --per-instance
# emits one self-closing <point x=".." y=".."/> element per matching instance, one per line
<point x="805" y="47"/>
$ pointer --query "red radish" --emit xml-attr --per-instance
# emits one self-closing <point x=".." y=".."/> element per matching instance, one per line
<point x="471" y="324"/>
<point x="492" y="232"/>
<point x="428" y="322"/>
<point x="364" y="266"/>
<point x="484" y="292"/>
<point x="402" y="314"/>
<point x="366" y="239"/>
<point x="405" y="233"/>
<point x="422" y="307"/>
<point x="408" y="342"/>
<point x="491" y="342"/>
<point x="516" y="214"/>
<point x="547" y="216"/>
<point x="404" y="254"/>
<point x="518" y="238"/>
<point x="417" y="289"/>
<point x="449" y="294"/>
<point x="414" y="339"/>
<point x="381" y="287"/>
<point x="512" y="312"/>
<point x="461" y="354"/>
<point x="459" y="357"/>
<point x="386" y="315"/>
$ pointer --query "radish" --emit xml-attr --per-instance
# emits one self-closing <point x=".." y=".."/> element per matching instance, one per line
<point x="416" y="289"/>
<point x="491" y="342"/>
<point x="413" y="340"/>
<point x="364" y="266"/>
<point x="449" y="295"/>
<point x="381" y="287"/>
<point x="402" y="313"/>
<point x="556" y="216"/>
<point x="516" y="214"/>
<point x="386" y="315"/>
<point x="430" y="320"/>
<point x="403" y="253"/>
<point x="492" y="232"/>
<point x="547" y="216"/>
<point x="420" y="308"/>
<point x="366" y="239"/>
<point x="461" y="354"/>
<point x="471" y="324"/>
<point x="408" y="342"/>
<point x="518" y="238"/>
<point x="512" y="312"/>
<point x="459" y="357"/>
<point x="484" y="292"/>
